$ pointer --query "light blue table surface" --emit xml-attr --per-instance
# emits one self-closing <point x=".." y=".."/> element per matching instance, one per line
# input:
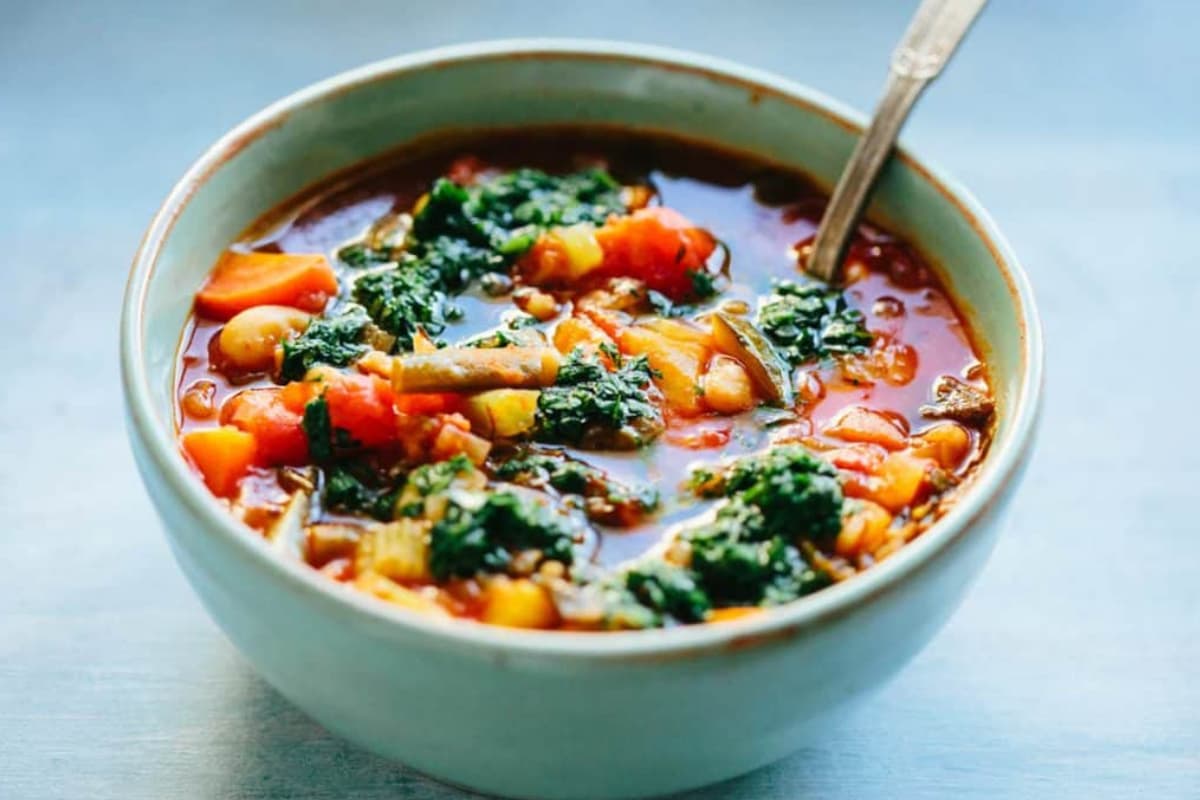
<point x="1072" y="670"/>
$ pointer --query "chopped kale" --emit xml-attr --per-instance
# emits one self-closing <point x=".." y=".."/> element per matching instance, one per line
<point x="571" y="477"/>
<point x="749" y="552"/>
<point x="669" y="590"/>
<point x="401" y="299"/>
<point x="347" y="489"/>
<point x="811" y="321"/>
<point x="333" y="340"/>
<point x="359" y="255"/>
<point x="319" y="430"/>
<point x="325" y="442"/>
<point x="704" y="285"/>
<point x="506" y="213"/>
<point x="456" y="261"/>
<point x="484" y="538"/>
<point x="350" y="485"/>
<point x="798" y="492"/>
<point x="739" y="562"/>
<point x="607" y="500"/>
<point x="463" y="233"/>
<point x="429" y="479"/>
<point x="590" y="405"/>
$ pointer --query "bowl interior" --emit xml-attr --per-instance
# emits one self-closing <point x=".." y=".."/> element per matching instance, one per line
<point x="355" y="117"/>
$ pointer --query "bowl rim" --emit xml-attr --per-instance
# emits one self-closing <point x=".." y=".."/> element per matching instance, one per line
<point x="773" y="625"/>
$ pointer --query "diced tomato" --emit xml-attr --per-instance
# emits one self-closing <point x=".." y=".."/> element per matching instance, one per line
<point x="658" y="246"/>
<point x="362" y="405"/>
<point x="435" y="403"/>
<point x="277" y="429"/>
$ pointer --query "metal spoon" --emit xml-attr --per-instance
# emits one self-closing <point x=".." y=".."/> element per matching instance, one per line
<point x="932" y="37"/>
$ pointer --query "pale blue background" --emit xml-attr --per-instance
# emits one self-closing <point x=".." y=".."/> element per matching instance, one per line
<point x="1073" y="669"/>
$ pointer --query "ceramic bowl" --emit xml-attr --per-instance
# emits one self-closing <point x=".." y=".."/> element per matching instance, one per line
<point x="545" y="714"/>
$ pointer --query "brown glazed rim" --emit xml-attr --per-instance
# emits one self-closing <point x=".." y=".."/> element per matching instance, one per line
<point x="778" y="625"/>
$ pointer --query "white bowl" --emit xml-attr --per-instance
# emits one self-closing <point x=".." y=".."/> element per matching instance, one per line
<point x="550" y="714"/>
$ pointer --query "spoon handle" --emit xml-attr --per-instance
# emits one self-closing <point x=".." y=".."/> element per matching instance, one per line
<point x="932" y="37"/>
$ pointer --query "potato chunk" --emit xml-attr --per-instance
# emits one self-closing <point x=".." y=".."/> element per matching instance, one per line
<point x="900" y="479"/>
<point x="518" y="603"/>
<point x="727" y="386"/>
<point x="580" y="332"/>
<point x="947" y="443"/>
<point x="398" y="550"/>
<point x="864" y="530"/>
<point x="388" y="590"/>
<point x="502" y="413"/>
<point x="677" y="364"/>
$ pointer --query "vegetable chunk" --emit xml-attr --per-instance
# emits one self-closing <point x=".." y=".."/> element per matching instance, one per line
<point x="677" y="366"/>
<point x="503" y="413"/>
<point x="594" y="407"/>
<point x="223" y="455"/>
<point x="469" y="369"/>
<point x="244" y="280"/>
<point x="519" y="603"/>
<point x="264" y="414"/>
<point x="486" y="404"/>
<point x="860" y="424"/>
<point x="658" y="246"/>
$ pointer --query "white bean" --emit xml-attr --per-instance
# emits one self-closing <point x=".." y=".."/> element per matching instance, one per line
<point x="248" y="340"/>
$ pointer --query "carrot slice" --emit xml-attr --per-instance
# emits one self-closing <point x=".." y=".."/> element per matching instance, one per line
<point x="245" y="280"/>
<point x="223" y="455"/>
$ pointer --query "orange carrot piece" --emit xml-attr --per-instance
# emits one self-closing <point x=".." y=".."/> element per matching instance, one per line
<point x="223" y="456"/>
<point x="732" y="613"/>
<point x="245" y="280"/>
